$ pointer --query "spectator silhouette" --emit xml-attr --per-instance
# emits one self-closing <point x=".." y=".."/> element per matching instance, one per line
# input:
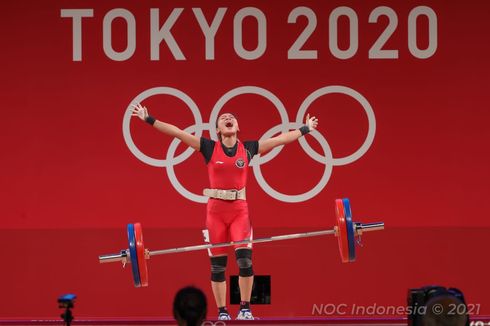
<point x="190" y="306"/>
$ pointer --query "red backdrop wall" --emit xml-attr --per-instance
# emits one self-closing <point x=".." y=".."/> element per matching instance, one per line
<point x="71" y="182"/>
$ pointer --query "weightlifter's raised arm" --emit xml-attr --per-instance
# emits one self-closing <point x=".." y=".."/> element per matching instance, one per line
<point x="166" y="128"/>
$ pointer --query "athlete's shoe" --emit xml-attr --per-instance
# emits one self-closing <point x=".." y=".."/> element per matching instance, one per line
<point x="245" y="314"/>
<point x="224" y="316"/>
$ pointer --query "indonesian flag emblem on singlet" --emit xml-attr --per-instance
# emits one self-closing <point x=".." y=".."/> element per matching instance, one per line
<point x="240" y="163"/>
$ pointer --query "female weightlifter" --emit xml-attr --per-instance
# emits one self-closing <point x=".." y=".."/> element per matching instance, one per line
<point x="227" y="209"/>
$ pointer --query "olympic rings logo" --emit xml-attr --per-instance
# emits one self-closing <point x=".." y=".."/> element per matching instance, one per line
<point x="327" y="158"/>
<point x="216" y="323"/>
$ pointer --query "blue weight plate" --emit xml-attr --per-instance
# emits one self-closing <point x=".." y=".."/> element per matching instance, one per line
<point x="350" y="230"/>
<point x="133" y="256"/>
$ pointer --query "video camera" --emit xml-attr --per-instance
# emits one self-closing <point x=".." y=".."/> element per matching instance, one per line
<point x="450" y="304"/>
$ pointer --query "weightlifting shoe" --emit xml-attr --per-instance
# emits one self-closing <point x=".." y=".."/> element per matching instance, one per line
<point x="245" y="314"/>
<point x="224" y="316"/>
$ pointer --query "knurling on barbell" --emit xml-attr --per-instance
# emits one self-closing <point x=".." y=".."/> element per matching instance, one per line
<point x="345" y="231"/>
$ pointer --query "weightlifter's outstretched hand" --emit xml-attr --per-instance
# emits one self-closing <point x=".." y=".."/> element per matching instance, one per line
<point x="312" y="122"/>
<point x="139" y="111"/>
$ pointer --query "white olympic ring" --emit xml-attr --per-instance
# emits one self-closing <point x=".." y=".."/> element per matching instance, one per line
<point x="258" y="160"/>
<point x="369" y="112"/>
<point x="171" y="173"/>
<point x="143" y="96"/>
<point x="253" y="90"/>
<point x="327" y="159"/>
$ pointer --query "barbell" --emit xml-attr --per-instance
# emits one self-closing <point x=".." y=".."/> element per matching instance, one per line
<point x="346" y="231"/>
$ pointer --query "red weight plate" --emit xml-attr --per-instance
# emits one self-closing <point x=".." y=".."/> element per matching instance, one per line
<point x="140" y="248"/>
<point x="342" y="231"/>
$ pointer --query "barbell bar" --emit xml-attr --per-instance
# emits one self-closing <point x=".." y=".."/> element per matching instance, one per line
<point x="124" y="254"/>
<point x="346" y="230"/>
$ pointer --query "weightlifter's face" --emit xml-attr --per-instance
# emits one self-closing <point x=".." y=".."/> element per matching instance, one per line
<point x="227" y="125"/>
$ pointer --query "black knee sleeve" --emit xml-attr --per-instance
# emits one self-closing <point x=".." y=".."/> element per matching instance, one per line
<point x="244" y="262"/>
<point x="218" y="266"/>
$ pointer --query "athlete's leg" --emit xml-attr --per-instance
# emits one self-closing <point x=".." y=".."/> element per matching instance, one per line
<point x="241" y="229"/>
<point x="218" y="280"/>
<point x="218" y="232"/>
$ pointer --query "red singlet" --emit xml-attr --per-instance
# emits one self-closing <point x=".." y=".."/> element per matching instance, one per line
<point x="228" y="220"/>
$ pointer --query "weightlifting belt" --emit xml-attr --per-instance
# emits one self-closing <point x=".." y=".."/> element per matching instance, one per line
<point x="225" y="194"/>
